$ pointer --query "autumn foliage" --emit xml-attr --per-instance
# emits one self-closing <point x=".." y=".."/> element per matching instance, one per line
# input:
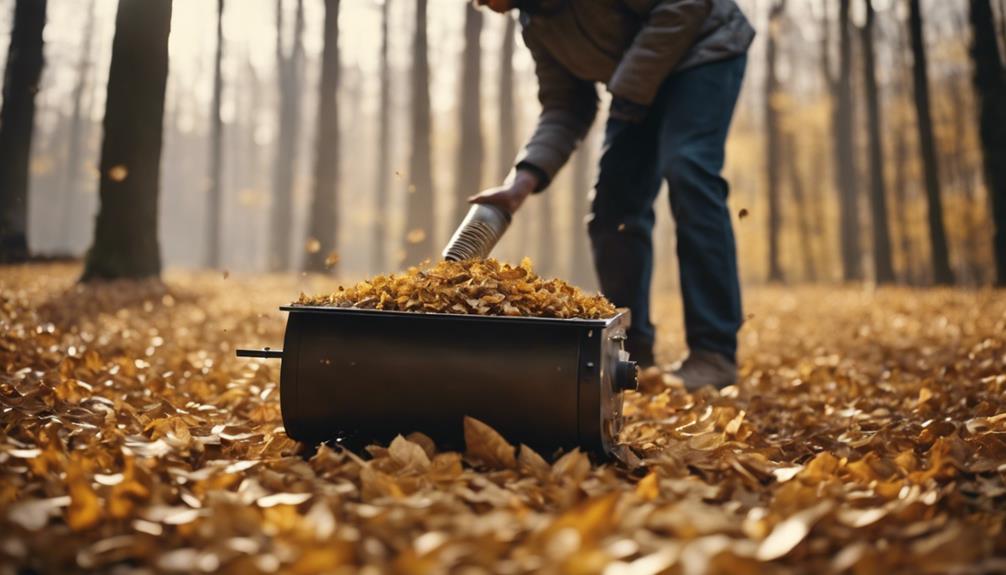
<point x="866" y="436"/>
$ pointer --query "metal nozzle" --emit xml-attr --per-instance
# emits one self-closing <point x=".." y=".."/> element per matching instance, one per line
<point x="478" y="233"/>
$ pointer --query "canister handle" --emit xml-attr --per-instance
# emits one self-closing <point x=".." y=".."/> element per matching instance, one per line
<point x="264" y="353"/>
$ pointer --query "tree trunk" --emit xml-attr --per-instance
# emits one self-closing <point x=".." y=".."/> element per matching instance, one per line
<point x="845" y="154"/>
<point x="214" y="215"/>
<point x="324" y="226"/>
<point x="901" y="203"/>
<point x="419" y="201"/>
<point x="469" y="169"/>
<point x="546" y="246"/>
<point x="384" y="150"/>
<point x="583" y="268"/>
<point x="17" y="122"/>
<point x="507" y="150"/>
<point x="289" y="72"/>
<point x="773" y="139"/>
<point x="942" y="274"/>
<point x="71" y="178"/>
<point x="803" y="214"/>
<point x="125" y="233"/>
<point x="883" y="268"/>
<point x="990" y="86"/>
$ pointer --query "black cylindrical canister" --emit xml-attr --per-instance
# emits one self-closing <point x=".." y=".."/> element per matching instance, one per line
<point x="372" y="374"/>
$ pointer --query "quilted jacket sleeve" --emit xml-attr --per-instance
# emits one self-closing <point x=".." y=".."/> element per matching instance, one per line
<point x="568" y="108"/>
<point x="669" y="30"/>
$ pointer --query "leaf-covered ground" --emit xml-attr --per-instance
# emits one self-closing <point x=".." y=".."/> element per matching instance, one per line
<point x="868" y="436"/>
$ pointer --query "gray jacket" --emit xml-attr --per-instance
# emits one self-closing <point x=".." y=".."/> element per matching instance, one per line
<point x="629" y="45"/>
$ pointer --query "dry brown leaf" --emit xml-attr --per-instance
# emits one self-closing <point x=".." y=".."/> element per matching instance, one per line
<point x="484" y="445"/>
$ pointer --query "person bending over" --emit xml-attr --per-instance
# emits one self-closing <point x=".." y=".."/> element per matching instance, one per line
<point x="674" y="69"/>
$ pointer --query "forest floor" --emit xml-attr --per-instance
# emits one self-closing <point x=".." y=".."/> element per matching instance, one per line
<point x="868" y="436"/>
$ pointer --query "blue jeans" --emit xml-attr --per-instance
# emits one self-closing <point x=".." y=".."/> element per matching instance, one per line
<point x="682" y="141"/>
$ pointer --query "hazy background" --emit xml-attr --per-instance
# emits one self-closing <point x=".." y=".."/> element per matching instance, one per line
<point x="548" y="233"/>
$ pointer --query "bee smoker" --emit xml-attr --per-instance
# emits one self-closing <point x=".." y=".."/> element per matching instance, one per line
<point x="372" y="374"/>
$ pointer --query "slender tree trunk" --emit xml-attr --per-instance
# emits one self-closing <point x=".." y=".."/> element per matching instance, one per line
<point x="546" y="246"/>
<point x="1002" y="26"/>
<point x="289" y="71"/>
<point x="817" y="208"/>
<point x="324" y="226"/>
<point x="17" y="123"/>
<point x="942" y="274"/>
<point x="419" y="202"/>
<point x="990" y="86"/>
<point x="846" y="155"/>
<point x="71" y="176"/>
<point x="384" y="150"/>
<point x="214" y="214"/>
<point x="803" y="214"/>
<point x="583" y="268"/>
<point x="773" y="139"/>
<point x="901" y="203"/>
<point x="507" y="150"/>
<point x="125" y="234"/>
<point x="470" y="151"/>
<point x="883" y="268"/>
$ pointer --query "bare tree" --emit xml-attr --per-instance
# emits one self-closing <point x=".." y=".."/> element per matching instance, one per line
<point x="942" y="274"/>
<point x="384" y="149"/>
<point x="71" y="175"/>
<point x="883" y="268"/>
<point x="803" y="214"/>
<point x="773" y="138"/>
<point x="324" y="225"/>
<point x="469" y="154"/>
<point x="582" y="268"/>
<point x="845" y="165"/>
<point x="17" y="124"/>
<point x="507" y="149"/>
<point x="214" y="214"/>
<point x="125" y="233"/>
<point x="419" y="202"/>
<point x="990" y="86"/>
<point x="289" y="72"/>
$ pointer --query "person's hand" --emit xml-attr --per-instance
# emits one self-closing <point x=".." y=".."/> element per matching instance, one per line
<point x="509" y="196"/>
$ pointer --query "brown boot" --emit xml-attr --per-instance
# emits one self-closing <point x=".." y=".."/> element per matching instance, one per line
<point x="703" y="368"/>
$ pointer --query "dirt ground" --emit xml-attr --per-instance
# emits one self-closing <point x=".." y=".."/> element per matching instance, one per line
<point x="868" y="436"/>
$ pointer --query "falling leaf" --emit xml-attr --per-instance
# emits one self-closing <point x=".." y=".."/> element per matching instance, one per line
<point x="332" y="259"/>
<point x="415" y="236"/>
<point x="312" y="246"/>
<point x="483" y="444"/>
<point x="118" y="173"/>
<point x="743" y="213"/>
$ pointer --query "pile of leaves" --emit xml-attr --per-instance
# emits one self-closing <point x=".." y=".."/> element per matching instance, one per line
<point x="868" y="435"/>
<point x="482" y="287"/>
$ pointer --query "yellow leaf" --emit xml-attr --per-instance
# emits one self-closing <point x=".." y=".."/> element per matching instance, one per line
<point x="648" y="487"/>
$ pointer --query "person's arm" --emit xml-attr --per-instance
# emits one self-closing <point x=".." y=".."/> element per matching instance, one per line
<point x="568" y="108"/>
<point x="669" y="31"/>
